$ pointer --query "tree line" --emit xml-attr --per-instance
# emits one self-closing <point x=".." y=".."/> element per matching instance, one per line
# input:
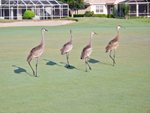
<point x="74" y="4"/>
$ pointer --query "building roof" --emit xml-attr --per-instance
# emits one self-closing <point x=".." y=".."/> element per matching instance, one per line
<point x="112" y="1"/>
<point x="32" y="3"/>
<point x="103" y="1"/>
<point x="139" y="0"/>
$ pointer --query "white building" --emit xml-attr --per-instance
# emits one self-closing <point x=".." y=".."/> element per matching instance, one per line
<point x="43" y="9"/>
<point x="136" y="7"/>
<point x="100" y="6"/>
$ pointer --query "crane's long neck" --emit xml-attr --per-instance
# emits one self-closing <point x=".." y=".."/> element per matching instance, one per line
<point x="42" y="38"/>
<point x="70" y="37"/>
<point x="118" y="34"/>
<point x="90" y="41"/>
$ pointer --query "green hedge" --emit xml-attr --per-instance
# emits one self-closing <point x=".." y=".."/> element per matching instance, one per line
<point x="99" y="15"/>
<point x="28" y="14"/>
<point x="110" y="16"/>
<point x="88" y="13"/>
<point x="78" y="15"/>
<point x="91" y="14"/>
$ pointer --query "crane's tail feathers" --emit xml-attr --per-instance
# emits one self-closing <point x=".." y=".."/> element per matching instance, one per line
<point x="107" y="49"/>
<point x="62" y="51"/>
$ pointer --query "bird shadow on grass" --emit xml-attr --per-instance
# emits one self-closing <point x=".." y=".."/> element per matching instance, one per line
<point x="19" y="70"/>
<point x="63" y="64"/>
<point x="94" y="61"/>
<point x="68" y="66"/>
<point x="51" y="63"/>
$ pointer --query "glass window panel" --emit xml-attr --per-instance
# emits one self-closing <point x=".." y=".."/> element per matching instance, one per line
<point x="99" y="8"/>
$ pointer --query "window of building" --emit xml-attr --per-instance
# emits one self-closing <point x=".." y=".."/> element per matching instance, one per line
<point x="99" y="8"/>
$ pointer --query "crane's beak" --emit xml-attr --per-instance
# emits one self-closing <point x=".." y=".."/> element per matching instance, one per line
<point x="46" y="30"/>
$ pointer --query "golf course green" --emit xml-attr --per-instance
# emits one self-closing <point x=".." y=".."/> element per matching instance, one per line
<point x="123" y="88"/>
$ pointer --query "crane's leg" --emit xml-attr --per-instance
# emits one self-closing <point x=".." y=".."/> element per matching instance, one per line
<point x="31" y="68"/>
<point x="67" y="57"/>
<point x="85" y="65"/>
<point x="36" y="66"/>
<point x="114" y="56"/>
<point x="111" y="57"/>
<point x="88" y="64"/>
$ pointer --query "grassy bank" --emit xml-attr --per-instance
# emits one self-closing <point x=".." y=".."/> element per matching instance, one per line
<point x="124" y="88"/>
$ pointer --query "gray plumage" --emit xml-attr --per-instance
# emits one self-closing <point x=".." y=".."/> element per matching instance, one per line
<point x="87" y="50"/>
<point x="67" y="47"/>
<point x="36" y="52"/>
<point x="113" y="45"/>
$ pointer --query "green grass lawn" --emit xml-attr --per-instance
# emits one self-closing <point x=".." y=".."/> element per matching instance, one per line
<point x="124" y="88"/>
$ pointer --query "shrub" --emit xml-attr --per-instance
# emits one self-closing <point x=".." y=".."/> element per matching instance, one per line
<point x="78" y="15"/>
<point x="115" y="15"/>
<point x="88" y="13"/>
<point x="99" y="15"/>
<point x="28" y="14"/>
<point x="126" y="9"/>
<point x="110" y="16"/>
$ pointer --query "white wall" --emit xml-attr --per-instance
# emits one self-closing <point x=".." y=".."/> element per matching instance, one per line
<point x="93" y="8"/>
<point x="82" y="11"/>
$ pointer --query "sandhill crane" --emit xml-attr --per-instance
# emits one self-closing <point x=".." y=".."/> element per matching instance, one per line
<point x="87" y="50"/>
<point x="37" y="51"/>
<point x="112" y="45"/>
<point x="67" y="47"/>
